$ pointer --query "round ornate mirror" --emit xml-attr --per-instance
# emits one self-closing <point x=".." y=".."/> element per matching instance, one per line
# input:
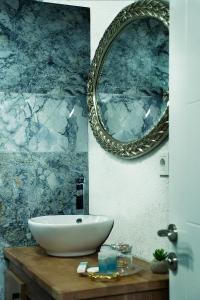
<point x="128" y="81"/>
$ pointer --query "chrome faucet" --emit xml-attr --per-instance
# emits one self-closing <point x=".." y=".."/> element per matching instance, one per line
<point x="79" y="192"/>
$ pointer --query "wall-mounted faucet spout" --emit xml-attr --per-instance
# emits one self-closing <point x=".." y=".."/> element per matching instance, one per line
<point x="79" y="192"/>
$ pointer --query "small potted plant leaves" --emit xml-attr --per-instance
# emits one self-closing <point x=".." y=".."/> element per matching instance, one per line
<point x="159" y="265"/>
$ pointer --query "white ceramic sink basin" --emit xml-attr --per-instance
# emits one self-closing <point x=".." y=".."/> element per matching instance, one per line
<point x="73" y="235"/>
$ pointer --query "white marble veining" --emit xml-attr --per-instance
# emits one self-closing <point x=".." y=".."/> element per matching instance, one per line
<point x="38" y="123"/>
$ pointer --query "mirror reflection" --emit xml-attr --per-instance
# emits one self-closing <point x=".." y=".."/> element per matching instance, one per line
<point x="133" y="80"/>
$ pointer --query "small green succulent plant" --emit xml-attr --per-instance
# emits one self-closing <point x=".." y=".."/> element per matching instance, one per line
<point x="160" y="254"/>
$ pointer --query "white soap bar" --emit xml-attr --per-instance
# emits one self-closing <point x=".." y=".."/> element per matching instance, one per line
<point x="93" y="270"/>
<point x="82" y="267"/>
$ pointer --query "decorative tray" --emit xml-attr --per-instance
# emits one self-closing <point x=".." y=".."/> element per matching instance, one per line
<point x="94" y="274"/>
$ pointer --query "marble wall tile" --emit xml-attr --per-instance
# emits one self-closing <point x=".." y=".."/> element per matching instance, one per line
<point x="37" y="184"/>
<point x="43" y="47"/>
<point x="42" y="122"/>
<point x="44" y="62"/>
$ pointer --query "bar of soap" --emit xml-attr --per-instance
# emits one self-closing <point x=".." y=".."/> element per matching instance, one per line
<point x="93" y="270"/>
<point x="82" y="267"/>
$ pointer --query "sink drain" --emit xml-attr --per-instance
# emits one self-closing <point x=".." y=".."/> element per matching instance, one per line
<point x="79" y="220"/>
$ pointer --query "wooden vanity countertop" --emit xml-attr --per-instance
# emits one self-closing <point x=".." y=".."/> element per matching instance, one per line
<point x="58" y="277"/>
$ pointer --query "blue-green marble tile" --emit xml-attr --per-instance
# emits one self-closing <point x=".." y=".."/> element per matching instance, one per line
<point x="42" y="123"/>
<point x="44" y="62"/>
<point x="43" y="47"/>
<point x="37" y="184"/>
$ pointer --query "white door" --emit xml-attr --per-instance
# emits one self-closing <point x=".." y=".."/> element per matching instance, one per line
<point x="185" y="146"/>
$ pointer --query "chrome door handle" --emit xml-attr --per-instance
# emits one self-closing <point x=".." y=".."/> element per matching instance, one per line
<point x="172" y="261"/>
<point x="171" y="232"/>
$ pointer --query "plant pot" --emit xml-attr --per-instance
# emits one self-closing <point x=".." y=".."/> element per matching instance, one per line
<point x="159" y="267"/>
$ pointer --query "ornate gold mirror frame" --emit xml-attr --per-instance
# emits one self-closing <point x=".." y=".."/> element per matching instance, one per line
<point x="128" y="150"/>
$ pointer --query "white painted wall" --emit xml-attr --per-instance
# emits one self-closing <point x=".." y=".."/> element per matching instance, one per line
<point x="132" y="192"/>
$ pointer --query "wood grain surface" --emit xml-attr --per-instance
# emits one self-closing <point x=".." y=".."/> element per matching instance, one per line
<point x="58" y="278"/>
